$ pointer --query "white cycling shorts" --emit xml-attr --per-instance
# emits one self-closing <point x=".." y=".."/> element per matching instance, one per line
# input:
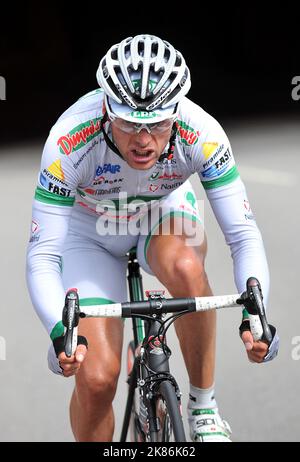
<point x="94" y="255"/>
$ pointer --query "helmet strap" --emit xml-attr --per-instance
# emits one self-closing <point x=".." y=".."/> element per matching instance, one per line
<point x="108" y="141"/>
<point x="170" y="153"/>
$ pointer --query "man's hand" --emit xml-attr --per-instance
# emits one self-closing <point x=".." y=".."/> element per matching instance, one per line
<point x="70" y="366"/>
<point x="256" y="351"/>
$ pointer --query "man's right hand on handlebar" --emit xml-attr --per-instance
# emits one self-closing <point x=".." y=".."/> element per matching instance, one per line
<point x="70" y="366"/>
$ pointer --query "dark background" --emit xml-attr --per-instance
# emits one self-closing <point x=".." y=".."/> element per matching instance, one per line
<point x="242" y="59"/>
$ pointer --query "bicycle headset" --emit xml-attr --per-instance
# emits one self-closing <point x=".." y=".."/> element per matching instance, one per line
<point x="143" y="77"/>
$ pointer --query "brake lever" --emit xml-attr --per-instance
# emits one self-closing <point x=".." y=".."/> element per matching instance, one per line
<point x="70" y="319"/>
<point x="252" y="299"/>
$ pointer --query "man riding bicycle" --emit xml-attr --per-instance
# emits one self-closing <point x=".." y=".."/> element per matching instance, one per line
<point x="114" y="175"/>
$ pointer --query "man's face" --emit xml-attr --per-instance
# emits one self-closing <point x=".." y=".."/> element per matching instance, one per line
<point x="140" y="150"/>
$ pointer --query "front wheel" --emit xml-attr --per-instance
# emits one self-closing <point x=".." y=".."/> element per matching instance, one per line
<point x="168" y="413"/>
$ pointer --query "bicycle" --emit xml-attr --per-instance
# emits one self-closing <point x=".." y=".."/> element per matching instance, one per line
<point x="153" y="408"/>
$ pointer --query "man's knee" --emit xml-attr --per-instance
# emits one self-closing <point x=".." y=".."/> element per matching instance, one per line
<point x="98" y="384"/>
<point x="188" y="265"/>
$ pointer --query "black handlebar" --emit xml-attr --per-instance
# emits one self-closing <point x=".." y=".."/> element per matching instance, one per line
<point x="252" y="299"/>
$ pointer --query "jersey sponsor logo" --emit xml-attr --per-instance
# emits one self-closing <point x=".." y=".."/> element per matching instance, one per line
<point x="153" y="187"/>
<point x="172" y="186"/>
<point x="166" y="162"/>
<point x="249" y="214"/>
<point x="219" y="167"/>
<point x="44" y="181"/>
<point x="100" y="192"/>
<point x="59" y="190"/>
<point x="206" y="151"/>
<point x="224" y="159"/>
<point x="187" y="134"/>
<point x="83" y="156"/>
<point x="156" y="176"/>
<point x="79" y="136"/>
<point x="103" y="180"/>
<point x="34" y="226"/>
<point x="56" y="170"/>
<point x="34" y="230"/>
<point x="107" y="168"/>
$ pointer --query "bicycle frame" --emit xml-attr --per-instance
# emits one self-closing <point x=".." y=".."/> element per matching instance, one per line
<point x="150" y="371"/>
<point x="135" y="294"/>
<point x="159" y="364"/>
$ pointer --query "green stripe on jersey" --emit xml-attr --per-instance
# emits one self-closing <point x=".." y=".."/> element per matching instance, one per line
<point x="47" y="197"/>
<point x="230" y="176"/>
<point x="57" y="331"/>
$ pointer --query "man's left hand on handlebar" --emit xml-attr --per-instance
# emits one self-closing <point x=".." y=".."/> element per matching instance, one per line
<point x="259" y="351"/>
<point x="256" y="351"/>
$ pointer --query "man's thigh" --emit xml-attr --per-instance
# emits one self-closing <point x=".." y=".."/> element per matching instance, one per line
<point x="100" y="278"/>
<point x="174" y="224"/>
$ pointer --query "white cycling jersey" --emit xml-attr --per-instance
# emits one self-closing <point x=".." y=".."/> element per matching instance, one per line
<point x="84" y="189"/>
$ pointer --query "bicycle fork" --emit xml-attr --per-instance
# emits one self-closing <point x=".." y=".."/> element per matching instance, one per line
<point x="154" y="368"/>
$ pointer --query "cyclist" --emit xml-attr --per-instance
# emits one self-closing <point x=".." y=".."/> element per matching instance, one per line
<point x="114" y="175"/>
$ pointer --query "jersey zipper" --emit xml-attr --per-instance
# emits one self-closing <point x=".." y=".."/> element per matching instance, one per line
<point x="138" y="185"/>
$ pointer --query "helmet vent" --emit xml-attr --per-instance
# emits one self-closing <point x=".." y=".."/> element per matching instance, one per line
<point x="144" y="71"/>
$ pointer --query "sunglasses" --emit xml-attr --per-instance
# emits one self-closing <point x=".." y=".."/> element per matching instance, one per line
<point x="152" y="128"/>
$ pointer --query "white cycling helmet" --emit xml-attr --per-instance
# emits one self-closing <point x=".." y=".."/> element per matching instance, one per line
<point x="143" y="77"/>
